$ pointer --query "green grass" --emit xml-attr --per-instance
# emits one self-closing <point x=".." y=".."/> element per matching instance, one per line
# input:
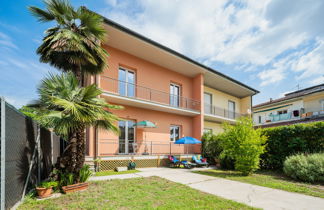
<point x="269" y="179"/>
<point x="108" y="173"/>
<point x="137" y="193"/>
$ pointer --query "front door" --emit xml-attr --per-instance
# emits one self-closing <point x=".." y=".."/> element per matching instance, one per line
<point x="126" y="137"/>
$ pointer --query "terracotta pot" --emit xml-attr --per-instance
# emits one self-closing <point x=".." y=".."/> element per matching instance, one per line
<point x="44" y="192"/>
<point x="75" y="187"/>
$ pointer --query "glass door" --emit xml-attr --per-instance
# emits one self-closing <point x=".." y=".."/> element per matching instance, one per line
<point x="208" y="103"/>
<point x="126" y="83"/>
<point x="231" y="109"/>
<point x="126" y="137"/>
<point x="174" y="95"/>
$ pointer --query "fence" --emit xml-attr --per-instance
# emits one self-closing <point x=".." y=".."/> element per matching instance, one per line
<point x="113" y="147"/>
<point x="27" y="154"/>
<point x="132" y="90"/>
<point x="110" y="163"/>
<point x="218" y="111"/>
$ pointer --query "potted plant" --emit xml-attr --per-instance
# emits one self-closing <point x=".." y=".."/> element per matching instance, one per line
<point x="68" y="180"/>
<point x="44" y="189"/>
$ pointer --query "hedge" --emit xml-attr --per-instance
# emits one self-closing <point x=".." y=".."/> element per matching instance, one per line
<point x="284" y="141"/>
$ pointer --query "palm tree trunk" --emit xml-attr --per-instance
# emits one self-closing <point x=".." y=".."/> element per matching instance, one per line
<point x="67" y="161"/>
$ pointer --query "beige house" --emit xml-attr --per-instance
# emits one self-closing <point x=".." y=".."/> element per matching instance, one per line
<point x="306" y="105"/>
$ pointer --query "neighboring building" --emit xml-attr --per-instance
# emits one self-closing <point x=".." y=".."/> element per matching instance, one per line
<point x="181" y="96"/>
<point x="301" y="106"/>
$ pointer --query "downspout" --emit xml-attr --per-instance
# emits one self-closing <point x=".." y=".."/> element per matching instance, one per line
<point x="95" y="133"/>
<point x="2" y="152"/>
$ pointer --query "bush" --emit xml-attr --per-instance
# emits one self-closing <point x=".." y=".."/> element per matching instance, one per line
<point x="211" y="149"/>
<point x="244" y="144"/>
<point x="308" y="168"/>
<point x="284" y="141"/>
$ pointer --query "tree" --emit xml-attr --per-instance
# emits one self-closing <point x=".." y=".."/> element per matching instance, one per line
<point x="68" y="108"/>
<point x="74" y="44"/>
<point x="244" y="144"/>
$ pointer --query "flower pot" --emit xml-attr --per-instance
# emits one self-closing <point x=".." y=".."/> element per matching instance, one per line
<point x="75" y="187"/>
<point x="44" y="192"/>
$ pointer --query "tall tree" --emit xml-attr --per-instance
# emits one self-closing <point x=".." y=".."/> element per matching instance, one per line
<point x="74" y="43"/>
<point x="68" y="108"/>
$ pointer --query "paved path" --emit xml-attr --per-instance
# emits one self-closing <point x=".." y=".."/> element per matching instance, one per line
<point x="253" y="195"/>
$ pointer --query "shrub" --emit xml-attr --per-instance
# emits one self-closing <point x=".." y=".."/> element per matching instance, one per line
<point x="211" y="149"/>
<point x="308" y="168"/>
<point x="84" y="173"/>
<point x="244" y="144"/>
<point x="284" y="141"/>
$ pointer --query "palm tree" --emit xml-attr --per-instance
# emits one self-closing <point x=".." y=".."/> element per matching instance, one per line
<point x="68" y="108"/>
<point x="74" y="44"/>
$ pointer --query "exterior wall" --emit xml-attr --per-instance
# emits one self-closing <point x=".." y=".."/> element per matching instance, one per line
<point x="161" y="134"/>
<point x="313" y="103"/>
<point x="152" y="76"/>
<point x="246" y="105"/>
<point x="216" y="127"/>
<point x="221" y="99"/>
<point x="146" y="74"/>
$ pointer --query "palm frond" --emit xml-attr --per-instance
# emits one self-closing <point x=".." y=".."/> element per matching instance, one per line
<point x="41" y="15"/>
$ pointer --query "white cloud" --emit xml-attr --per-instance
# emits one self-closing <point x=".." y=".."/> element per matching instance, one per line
<point x="5" y="41"/>
<point x="267" y="37"/>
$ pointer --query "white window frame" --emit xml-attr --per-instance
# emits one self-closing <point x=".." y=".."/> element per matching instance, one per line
<point x="208" y="130"/>
<point x="173" y="127"/>
<point x="174" y="96"/>
<point x="126" y="80"/>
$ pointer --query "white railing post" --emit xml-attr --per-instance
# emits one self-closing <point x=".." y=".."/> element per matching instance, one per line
<point x="3" y="153"/>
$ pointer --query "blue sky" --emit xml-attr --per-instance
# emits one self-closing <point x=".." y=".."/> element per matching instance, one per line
<point x="270" y="45"/>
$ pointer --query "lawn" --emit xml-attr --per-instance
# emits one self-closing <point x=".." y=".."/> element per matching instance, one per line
<point x="269" y="179"/>
<point x="137" y="193"/>
<point x="108" y="173"/>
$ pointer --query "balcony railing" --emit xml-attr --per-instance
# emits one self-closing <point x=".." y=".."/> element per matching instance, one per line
<point x="218" y="111"/>
<point x="132" y="90"/>
<point x="294" y="115"/>
<point x="112" y="147"/>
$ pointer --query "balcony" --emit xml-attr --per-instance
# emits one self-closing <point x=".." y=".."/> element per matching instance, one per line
<point x="218" y="114"/>
<point x="293" y="115"/>
<point x="125" y="93"/>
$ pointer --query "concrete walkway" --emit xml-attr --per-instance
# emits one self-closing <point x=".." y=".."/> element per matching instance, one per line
<point x="253" y="195"/>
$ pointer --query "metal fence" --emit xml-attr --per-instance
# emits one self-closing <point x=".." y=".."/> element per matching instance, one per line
<point x="113" y="147"/>
<point x="27" y="154"/>
<point x="218" y="111"/>
<point x="132" y="90"/>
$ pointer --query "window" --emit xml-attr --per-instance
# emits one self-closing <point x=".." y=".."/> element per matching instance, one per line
<point x="126" y="136"/>
<point x="231" y="109"/>
<point x="126" y="84"/>
<point x="282" y="112"/>
<point x="174" y="132"/>
<point x="208" y="103"/>
<point x="208" y="130"/>
<point x="260" y="119"/>
<point x="174" y="95"/>
<point x="322" y="104"/>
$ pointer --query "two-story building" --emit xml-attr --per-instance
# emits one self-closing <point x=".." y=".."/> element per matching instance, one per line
<point x="154" y="83"/>
<point x="302" y="106"/>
